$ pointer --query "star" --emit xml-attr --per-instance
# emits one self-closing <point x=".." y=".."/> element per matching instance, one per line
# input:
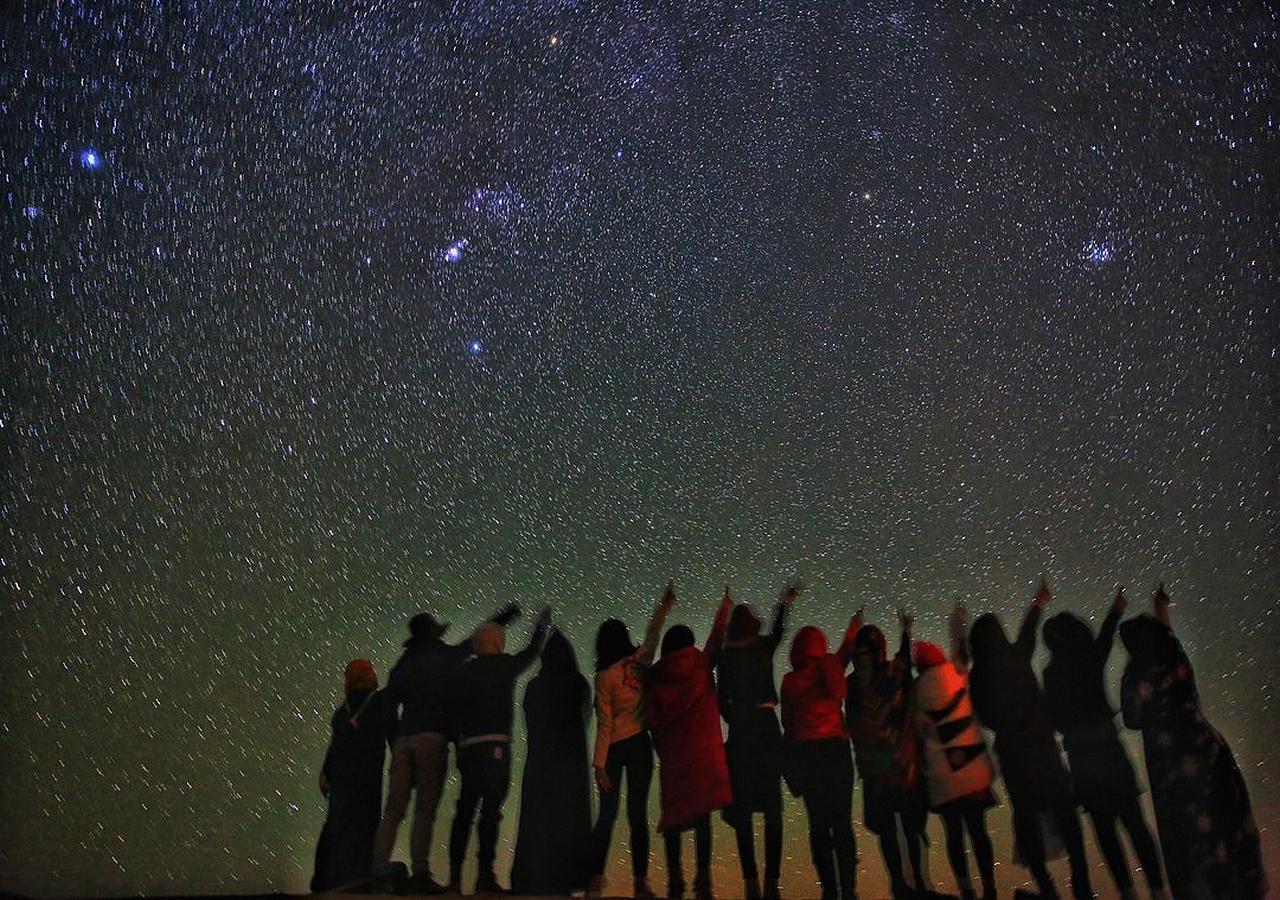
<point x="90" y="158"/>
<point x="454" y="251"/>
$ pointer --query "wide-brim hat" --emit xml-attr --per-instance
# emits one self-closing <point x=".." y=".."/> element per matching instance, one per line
<point x="425" y="627"/>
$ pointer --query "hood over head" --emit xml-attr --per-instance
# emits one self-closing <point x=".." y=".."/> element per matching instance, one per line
<point x="677" y="638"/>
<point x="360" y="676"/>
<point x="1067" y="634"/>
<point x="809" y="643"/>
<point x="928" y="655"/>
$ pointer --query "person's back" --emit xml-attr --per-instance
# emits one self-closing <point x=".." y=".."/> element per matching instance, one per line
<point x="423" y="681"/>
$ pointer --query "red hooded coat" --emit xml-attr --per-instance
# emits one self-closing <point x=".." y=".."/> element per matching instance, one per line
<point x="684" y="717"/>
<point x="813" y="691"/>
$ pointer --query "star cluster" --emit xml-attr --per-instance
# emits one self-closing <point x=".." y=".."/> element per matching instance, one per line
<point x="317" y="318"/>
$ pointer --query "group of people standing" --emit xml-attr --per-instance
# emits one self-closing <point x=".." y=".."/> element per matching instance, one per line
<point x="910" y="725"/>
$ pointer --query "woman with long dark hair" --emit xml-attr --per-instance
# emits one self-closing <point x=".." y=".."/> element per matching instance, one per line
<point x="622" y="743"/>
<point x="555" y="798"/>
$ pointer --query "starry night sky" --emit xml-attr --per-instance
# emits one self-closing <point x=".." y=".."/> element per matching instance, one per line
<point x="314" y="319"/>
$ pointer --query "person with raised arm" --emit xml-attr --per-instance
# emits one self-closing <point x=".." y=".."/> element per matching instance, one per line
<point x="1203" y="815"/>
<point x="958" y="773"/>
<point x="1008" y="700"/>
<point x="748" y="703"/>
<point x="555" y="796"/>
<point x="684" y="719"/>
<point x="486" y="711"/>
<point x="819" y="766"/>
<point x="423" y="685"/>
<point x="887" y="752"/>
<point x="623" y="745"/>
<point x="1100" y="769"/>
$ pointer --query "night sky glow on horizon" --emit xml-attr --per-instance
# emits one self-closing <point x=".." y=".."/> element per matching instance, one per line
<point x="316" y="320"/>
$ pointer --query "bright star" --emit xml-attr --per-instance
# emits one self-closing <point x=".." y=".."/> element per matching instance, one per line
<point x="453" y="252"/>
<point x="1097" y="252"/>
<point x="475" y="347"/>
<point x="90" y="158"/>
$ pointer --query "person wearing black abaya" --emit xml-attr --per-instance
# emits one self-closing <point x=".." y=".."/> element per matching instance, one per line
<point x="555" y="799"/>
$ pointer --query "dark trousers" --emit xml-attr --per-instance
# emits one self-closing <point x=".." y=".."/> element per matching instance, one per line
<point x="1129" y="813"/>
<point x="701" y="829"/>
<point x="892" y="854"/>
<point x="1026" y="828"/>
<point x="634" y="756"/>
<point x="745" y="832"/>
<point x="486" y="778"/>
<point x="824" y="772"/>
<point x="974" y="820"/>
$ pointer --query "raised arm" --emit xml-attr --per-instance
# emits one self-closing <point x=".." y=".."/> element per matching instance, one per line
<point x="906" y="620"/>
<point x="1160" y="605"/>
<point x="525" y="657"/>
<point x="789" y="594"/>
<point x="959" y="626"/>
<point x="654" y="629"/>
<point x="845" y="650"/>
<point x="503" y="617"/>
<point x="1026" y="642"/>
<point x="1107" y="633"/>
<point x="715" y="640"/>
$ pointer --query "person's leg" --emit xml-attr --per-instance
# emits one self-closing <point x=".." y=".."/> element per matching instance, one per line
<point x="493" y="793"/>
<point x="975" y="821"/>
<point x="913" y="830"/>
<point x="702" y="857"/>
<point x="953" y="828"/>
<point x="1144" y="847"/>
<point x="431" y="763"/>
<point x="399" y="784"/>
<point x="1068" y="821"/>
<point x="675" y="869"/>
<point x="773" y="845"/>
<point x="744" y="831"/>
<point x="603" y="830"/>
<point x="845" y="846"/>
<point x="820" y="847"/>
<point x="892" y="856"/>
<point x="1026" y="828"/>
<point x="639" y="777"/>
<point x="1104" y="828"/>
<point x="464" y="813"/>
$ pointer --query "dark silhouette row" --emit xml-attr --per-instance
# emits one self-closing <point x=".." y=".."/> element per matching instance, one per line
<point x="911" y="724"/>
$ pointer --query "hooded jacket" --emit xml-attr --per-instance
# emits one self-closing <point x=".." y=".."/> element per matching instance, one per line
<point x="956" y="763"/>
<point x="487" y="685"/>
<point x="684" y="718"/>
<point x="813" y="691"/>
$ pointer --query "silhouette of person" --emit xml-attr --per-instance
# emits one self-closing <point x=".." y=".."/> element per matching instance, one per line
<point x="622" y="742"/>
<point x="1008" y="700"/>
<point x="877" y="697"/>
<point x="684" y="719"/>
<point x="754" y="750"/>
<point x="351" y="778"/>
<point x="486" y="687"/>
<point x="555" y="797"/>
<point x="1210" y="840"/>
<point x="1100" y="769"/>
<point x="819" y="766"/>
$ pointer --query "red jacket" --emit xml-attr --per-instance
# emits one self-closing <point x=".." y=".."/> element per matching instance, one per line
<point x="684" y="717"/>
<point x="813" y="691"/>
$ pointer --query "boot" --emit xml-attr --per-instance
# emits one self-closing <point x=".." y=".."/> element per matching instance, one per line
<point x="642" y="890"/>
<point x="751" y="888"/>
<point x="702" y="885"/>
<point x="487" y="883"/>
<point x="772" y="890"/>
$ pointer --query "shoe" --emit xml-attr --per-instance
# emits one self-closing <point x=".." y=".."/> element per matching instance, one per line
<point x="425" y="884"/>
<point x="487" y="883"/>
<point x="702" y="885"/>
<point x="642" y="890"/>
<point x="751" y="888"/>
<point x="771" y="890"/>
<point x="391" y="880"/>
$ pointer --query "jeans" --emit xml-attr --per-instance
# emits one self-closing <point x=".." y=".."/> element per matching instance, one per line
<point x="486" y="778"/>
<point x="633" y="755"/>
<point x="418" y="761"/>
